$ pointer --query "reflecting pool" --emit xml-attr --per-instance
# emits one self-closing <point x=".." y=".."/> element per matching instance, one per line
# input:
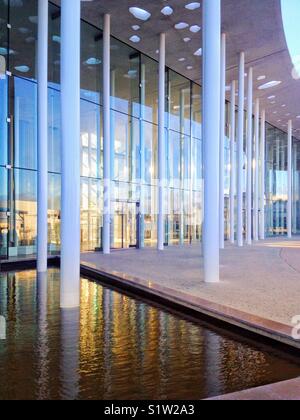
<point x="117" y="347"/>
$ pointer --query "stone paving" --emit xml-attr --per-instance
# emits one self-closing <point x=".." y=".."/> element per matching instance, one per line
<point x="261" y="280"/>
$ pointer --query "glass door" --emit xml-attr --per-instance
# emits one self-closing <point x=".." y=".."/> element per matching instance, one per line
<point x="125" y="225"/>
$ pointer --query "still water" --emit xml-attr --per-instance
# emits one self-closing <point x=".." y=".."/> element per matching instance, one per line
<point x="116" y="347"/>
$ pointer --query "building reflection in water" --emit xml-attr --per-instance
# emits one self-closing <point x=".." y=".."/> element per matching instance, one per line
<point x="116" y="347"/>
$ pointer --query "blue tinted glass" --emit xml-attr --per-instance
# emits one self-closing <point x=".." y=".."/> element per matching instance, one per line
<point x="3" y="123"/>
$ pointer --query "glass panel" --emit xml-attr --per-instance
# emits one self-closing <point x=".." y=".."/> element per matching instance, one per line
<point x="125" y="78"/>
<point x="151" y="162"/>
<point x="54" y="194"/>
<point x="149" y="89"/>
<point x="196" y="111"/>
<point x="24" y="109"/>
<point x="3" y="214"/>
<point x="23" y="36"/>
<point x="296" y="187"/>
<point x="179" y="103"/>
<point x="23" y="218"/>
<point x="126" y="147"/>
<point x="276" y="181"/>
<point x="91" y="214"/>
<point x="54" y="46"/>
<point x="90" y="140"/>
<point x="91" y="63"/>
<point x="54" y="133"/>
<point x="3" y="122"/>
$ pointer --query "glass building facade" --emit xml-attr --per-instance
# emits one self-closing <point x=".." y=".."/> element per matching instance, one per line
<point x="134" y="109"/>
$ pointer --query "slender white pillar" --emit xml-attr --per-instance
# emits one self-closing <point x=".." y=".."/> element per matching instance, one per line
<point x="161" y="144"/>
<point x="256" y="177"/>
<point x="232" y="163"/>
<point x="290" y="192"/>
<point x="106" y="137"/>
<point x="249" y="154"/>
<point x="42" y="142"/>
<point x="222" y="137"/>
<point x="142" y="158"/>
<point x="70" y="153"/>
<point x="240" y="183"/>
<point x="211" y="137"/>
<point x="262" y="175"/>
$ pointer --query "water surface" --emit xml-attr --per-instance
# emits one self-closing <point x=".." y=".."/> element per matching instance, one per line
<point x="117" y="347"/>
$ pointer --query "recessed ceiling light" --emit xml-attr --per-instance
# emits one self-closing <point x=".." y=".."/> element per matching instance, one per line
<point x="181" y="25"/>
<point x="135" y="39"/>
<point x="274" y="112"/>
<point x="181" y="59"/>
<point x="283" y="105"/>
<point x="272" y="97"/>
<point x="187" y="39"/>
<point x="269" y="85"/>
<point x="262" y="77"/>
<point x="136" y="27"/>
<point x="192" y="6"/>
<point x="195" y="28"/>
<point x="167" y="11"/>
<point x="139" y="13"/>
<point x="198" y="53"/>
<point x="189" y="67"/>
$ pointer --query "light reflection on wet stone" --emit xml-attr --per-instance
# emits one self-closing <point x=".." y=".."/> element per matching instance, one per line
<point x="116" y="347"/>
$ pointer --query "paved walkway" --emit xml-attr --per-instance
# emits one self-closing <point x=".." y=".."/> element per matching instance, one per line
<point x="262" y="280"/>
<point x="285" y="391"/>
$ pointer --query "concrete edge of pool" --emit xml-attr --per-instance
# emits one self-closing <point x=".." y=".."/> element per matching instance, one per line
<point x="266" y="328"/>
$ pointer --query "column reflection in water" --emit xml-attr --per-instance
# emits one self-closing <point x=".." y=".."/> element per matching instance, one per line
<point x="42" y="346"/>
<point x="69" y="346"/>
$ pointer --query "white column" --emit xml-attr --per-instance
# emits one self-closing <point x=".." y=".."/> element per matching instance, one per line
<point x="249" y="155"/>
<point x="70" y="153"/>
<point x="262" y="175"/>
<point x="161" y="144"/>
<point x="232" y="163"/>
<point x="142" y="157"/>
<point x="240" y="186"/>
<point x="222" y="137"/>
<point x="42" y="142"/>
<point x="106" y="137"/>
<point x="256" y="177"/>
<point x="211" y="137"/>
<point x="290" y="191"/>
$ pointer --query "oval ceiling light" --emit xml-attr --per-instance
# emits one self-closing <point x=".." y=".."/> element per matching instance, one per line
<point x="195" y="28"/>
<point x="135" y="39"/>
<point x="269" y="85"/>
<point x="187" y="39"/>
<point x="181" y="25"/>
<point x="263" y="77"/>
<point x="93" y="61"/>
<point x="189" y="67"/>
<point x="198" y="53"/>
<point x="181" y="59"/>
<point x="22" y="69"/>
<point x="167" y="11"/>
<point x="193" y="6"/>
<point x="139" y="13"/>
<point x="136" y="27"/>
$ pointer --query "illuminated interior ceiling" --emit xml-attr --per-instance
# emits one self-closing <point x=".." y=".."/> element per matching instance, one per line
<point x="253" y="26"/>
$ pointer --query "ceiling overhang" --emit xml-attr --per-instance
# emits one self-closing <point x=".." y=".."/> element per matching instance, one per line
<point x="252" y="26"/>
